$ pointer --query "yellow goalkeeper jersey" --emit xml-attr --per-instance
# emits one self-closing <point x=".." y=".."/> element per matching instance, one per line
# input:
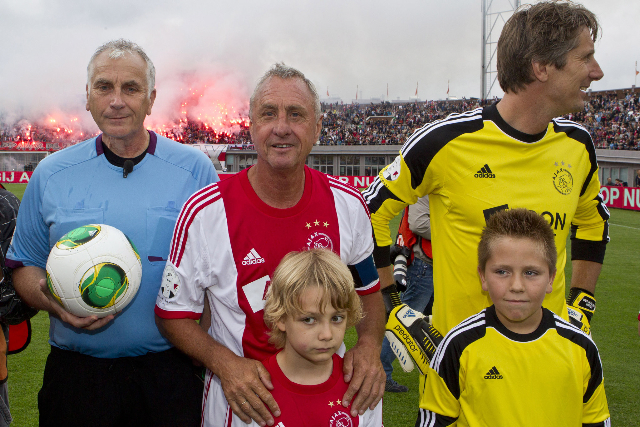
<point x="485" y="375"/>
<point x="473" y="164"/>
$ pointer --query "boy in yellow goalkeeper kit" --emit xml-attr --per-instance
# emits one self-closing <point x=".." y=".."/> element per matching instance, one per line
<point x="515" y="363"/>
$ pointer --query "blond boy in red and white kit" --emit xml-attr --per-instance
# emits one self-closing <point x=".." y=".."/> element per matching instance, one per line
<point x="310" y="304"/>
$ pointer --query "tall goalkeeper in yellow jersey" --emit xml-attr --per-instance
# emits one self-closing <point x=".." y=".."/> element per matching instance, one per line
<point x="516" y="153"/>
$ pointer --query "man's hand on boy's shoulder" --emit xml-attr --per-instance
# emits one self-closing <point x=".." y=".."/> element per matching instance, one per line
<point x="246" y="384"/>
<point x="363" y="371"/>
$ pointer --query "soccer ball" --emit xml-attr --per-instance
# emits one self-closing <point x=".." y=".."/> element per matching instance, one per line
<point x="94" y="270"/>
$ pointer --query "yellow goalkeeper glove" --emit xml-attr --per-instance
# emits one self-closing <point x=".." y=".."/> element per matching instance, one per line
<point x="412" y="338"/>
<point x="582" y="305"/>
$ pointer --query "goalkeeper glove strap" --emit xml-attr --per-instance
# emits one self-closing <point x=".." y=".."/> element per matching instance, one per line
<point x="582" y="300"/>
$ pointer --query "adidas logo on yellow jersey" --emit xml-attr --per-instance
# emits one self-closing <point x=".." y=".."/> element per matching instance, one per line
<point x="485" y="172"/>
<point x="493" y="374"/>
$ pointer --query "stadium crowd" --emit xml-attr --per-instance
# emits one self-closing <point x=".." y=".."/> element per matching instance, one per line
<point x="386" y="123"/>
<point x="25" y="131"/>
<point x="191" y="131"/>
<point x="611" y="117"/>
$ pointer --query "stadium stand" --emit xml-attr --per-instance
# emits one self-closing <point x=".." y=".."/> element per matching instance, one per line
<point x="611" y="117"/>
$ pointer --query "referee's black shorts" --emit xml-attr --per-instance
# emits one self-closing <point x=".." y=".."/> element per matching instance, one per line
<point x="155" y="390"/>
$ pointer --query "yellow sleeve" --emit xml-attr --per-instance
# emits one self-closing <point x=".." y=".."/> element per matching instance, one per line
<point x="392" y="193"/>
<point x="595" y="410"/>
<point x="397" y="186"/>
<point x="420" y="169"/>
<point x="590" y="227"/>
<point x="437" y="400"/>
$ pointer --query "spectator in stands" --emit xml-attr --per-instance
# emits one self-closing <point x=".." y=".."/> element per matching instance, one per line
<point x="637" y="179"/>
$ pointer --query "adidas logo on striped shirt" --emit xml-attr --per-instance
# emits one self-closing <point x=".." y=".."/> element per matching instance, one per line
<point x="485" y="172"/>
<point x="252" y="258"/>
<point x="493" y="374"/>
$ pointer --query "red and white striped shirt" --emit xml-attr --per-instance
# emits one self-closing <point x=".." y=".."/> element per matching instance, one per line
<point x="227" y="244"/>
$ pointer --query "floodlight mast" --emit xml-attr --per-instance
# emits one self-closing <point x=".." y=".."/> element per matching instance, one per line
<point x="492" y="23"/>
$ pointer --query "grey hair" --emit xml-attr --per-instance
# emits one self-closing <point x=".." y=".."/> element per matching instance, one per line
<point x="117" y="49"/>
<point x="283" y="71"/>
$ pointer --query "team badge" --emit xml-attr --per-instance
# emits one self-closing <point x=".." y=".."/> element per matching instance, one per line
<point x="340" y="419"/>
<point x="392" y="172"/>
<point x="319" y="241"/>
<point x="170" y="282"/>
<point x="563" y="181"/>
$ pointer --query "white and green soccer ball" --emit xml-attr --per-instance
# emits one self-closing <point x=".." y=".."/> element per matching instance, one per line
<point x="94" y="270"/>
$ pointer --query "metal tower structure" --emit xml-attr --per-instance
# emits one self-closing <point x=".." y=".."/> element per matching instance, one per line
<point x="494" y="15"/>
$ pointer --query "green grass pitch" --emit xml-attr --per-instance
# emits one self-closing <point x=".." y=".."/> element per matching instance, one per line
<point x="615" y="331"/>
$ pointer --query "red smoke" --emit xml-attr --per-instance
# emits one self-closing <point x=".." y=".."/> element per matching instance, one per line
<point x="190" y="108"/>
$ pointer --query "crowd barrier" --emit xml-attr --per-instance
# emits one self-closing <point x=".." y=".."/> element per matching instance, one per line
<point x="613" y="197"/>
<point x="15" y="177"/>
<point x="356" y="181"/>
<point x="621" y="197"/>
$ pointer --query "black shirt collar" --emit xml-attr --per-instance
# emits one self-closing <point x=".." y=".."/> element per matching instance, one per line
<point x="114" y="159"/>
<point x="491" y="113"/>
<point x="546" y="323"/>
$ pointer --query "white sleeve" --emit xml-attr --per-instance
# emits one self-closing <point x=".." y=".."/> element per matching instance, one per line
<point x="363" y="232"/>
<point x="356" y="237"/>
<point x="200" y="258"/>
<point x="356" y="234"/>
<point x="185" y="276"/>
<point x="372" y="417"/>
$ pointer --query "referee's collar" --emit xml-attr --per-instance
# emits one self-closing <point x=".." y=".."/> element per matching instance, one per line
<point x="151" y="149"/>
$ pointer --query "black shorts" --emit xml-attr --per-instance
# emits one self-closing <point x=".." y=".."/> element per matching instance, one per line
<point x="157" y="389"/>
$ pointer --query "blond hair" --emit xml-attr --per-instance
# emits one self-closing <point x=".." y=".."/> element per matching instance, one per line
<point x="300" y="270"/>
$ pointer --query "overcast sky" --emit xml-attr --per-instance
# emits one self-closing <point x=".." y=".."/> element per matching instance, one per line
<point x="340" y="45"/>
